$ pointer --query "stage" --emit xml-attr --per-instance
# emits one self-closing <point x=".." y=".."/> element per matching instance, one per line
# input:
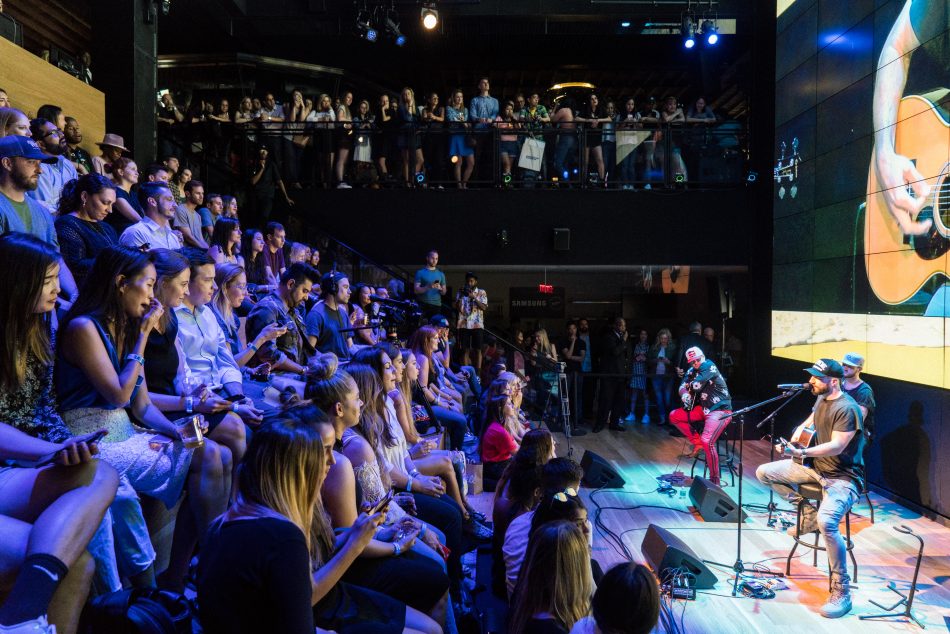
<point x="883" y="555"/>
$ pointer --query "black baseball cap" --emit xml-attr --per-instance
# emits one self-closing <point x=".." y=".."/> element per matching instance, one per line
<point x="826" y="368"/>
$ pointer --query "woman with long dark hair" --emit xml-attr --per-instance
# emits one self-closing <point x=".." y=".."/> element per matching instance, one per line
<point x="83" y="206"/>
<point x="127" y="209"/>
<point x="272" y="563"/>
<point x="226" y="241"/>
<point x="100" y="373"/>
<point x="423" y="343"/>
<point x="260" y="278"/>
<point x="593" y="117"/>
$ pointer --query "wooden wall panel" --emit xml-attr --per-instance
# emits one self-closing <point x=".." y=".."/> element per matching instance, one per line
<point x="31" y="82"/>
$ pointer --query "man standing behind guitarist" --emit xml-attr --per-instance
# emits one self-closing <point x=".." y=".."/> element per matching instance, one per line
<point x="705" y="399"/>
<point x="836" y="464"/>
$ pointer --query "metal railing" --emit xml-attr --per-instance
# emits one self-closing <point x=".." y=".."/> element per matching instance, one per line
<point x="446" y="155"/>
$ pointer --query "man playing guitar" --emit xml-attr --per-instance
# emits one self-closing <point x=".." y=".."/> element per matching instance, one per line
<point x="836" y="463"/>
<point x="705" y="398"/>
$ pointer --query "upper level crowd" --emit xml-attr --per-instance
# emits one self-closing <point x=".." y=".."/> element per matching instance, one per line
<point x="165" y="368"/>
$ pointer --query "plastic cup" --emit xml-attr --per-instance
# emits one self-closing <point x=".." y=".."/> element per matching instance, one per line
<point x="190" y="430"/>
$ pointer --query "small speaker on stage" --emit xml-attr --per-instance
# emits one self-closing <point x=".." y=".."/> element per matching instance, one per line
<point x="713" y="503"/>
<point x="598" y="472"/>
<point x="664" y="551"/>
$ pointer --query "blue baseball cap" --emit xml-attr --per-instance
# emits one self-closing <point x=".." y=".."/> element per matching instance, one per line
<point x="439" y="321"/>
<point x="25" y="147"/>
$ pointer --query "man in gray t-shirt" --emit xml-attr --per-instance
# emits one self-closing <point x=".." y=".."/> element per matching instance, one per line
<point x="187" y="218"/>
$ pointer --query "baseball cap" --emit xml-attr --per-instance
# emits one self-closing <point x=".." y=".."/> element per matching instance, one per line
<point x="25" y="147"/>
<point x="439" y="321"/>
<point x="826" y="367"/>
<point x="853" y="359"/>
<point x="695" y="354"/>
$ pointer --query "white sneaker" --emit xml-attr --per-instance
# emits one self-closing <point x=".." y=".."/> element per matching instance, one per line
<point x="839" y="603"/>
<point x="631" y="418"/>
<point x="39" y="625"/>
<point x="645" y="420"/>
<point x="343" y="185"/>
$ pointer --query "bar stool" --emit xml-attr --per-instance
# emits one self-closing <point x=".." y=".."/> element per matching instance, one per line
<point x="813" y="491"/>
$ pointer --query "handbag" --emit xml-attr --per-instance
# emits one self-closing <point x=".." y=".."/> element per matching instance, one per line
<point x="532" y="154"/>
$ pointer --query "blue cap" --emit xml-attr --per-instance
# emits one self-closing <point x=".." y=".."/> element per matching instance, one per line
<point x="25" y="147"/>
<point x="439" y="321"/>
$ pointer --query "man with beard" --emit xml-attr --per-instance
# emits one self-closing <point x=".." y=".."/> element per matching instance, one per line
<point x="56" y="173"/>
<point x="20" y="160"/>
<point x="81" y="159"/>
<point x="837" y="464"/>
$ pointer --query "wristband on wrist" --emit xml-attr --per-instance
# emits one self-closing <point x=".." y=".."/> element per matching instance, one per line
<point x="422" y="531"/>
<point x="135" y="357"/>
<point x="414" y="472"/>
<point x="396" y="549"/>
<point x="253" y="346"/>
<point x="189" y="404"/>
<point x="409" y="484"/>
<point x="234" y="406"/>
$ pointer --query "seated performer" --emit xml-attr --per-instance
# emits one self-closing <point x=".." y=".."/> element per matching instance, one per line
<point x="703" y="387"/>
<point x="837" y="465"/>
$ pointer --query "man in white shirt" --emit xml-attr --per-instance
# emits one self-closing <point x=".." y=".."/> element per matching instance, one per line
<point x="154" y="231"/>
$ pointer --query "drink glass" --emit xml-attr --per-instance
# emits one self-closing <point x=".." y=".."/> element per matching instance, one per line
<point x="190" y="430"/>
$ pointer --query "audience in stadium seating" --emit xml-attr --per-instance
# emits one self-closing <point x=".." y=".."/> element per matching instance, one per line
<point x="627" y="601"/>
<point x="155" y="230"/>
<point x="127" y="209"/>
<point x="188" y="217"/>
<point x="54" y="174"/>
<point x="80" y="228"/>
<point x="290" y="350"/>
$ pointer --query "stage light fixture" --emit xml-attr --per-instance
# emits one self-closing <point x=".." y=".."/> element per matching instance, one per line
<point x="625" y="24"/>
<point x="364" y="27"/>
<point x="680" y="178"/>
<point x="420" y="177"/>
<point x="392" y="28"/>
<point x="688" y="30"/>
<point x="430" y="17"/>
<point x="711" y="32"/>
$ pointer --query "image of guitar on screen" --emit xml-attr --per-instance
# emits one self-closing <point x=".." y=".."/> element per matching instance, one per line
<point x="907" y="225"/>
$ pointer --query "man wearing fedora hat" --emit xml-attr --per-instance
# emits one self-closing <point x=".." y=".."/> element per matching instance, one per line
<point x="112" y="146"/>
<point x="837" y="464"/>
<point x="20" y="161"/>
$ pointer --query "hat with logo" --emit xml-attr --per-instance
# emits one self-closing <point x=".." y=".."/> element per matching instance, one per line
<point x="695" y="354"/>
<point x="24" y="147"/>
<point x="853" y="359"/>
<point x="826" y="368"/>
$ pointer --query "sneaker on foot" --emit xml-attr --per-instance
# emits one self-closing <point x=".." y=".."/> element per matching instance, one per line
<point x="645" y="420"/>
<point x="39" y="625"/>
<point x="343" y="185"/>
<point x="631" y="418"/>
<point x="839" y="603"/>
<point x="477" y="530"/>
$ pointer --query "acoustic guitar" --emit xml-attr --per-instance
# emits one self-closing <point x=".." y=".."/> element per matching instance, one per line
<point x="802" y="438"/>
<point x="675" y="279"/>
<point x="897" y="265"/>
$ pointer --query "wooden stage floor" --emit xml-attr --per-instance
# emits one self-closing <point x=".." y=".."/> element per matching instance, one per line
<point x="884" y="556"/>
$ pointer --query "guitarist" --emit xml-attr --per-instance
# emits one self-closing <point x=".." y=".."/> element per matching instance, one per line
<point x="836" y="463"/>
<point x="705" y="398"/>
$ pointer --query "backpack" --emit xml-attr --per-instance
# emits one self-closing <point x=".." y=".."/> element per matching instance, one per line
<point x="137" y="611"/>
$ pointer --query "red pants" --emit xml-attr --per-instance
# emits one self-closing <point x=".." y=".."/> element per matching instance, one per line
<point x="714" y="423"/>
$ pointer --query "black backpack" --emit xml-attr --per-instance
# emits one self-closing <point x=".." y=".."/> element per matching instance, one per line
<point x="137" y="611"/>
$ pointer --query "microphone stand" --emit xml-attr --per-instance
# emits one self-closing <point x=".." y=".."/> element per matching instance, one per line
<point x="771" y="507"/>
<point x="738" y="567"/>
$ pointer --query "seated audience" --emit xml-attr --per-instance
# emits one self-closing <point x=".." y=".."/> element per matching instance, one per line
<point x="177" y="183"/>
<point x="290" y="350"/>
<point x="274" y="238"/>
<point x="555" y="587"/>
<point x="157" y="172"/>
<point x="229" y="294"/>
<point x="627" y="601"/>
<point x="14" y="123"/>
<point x="225" y="242"/>
<point x="498" y="444"/>
<point x="207" y="354"/>
<point x="328" y="317"/>
<point x="86" y="202"/>
<point x="127" y="210"/>
<point x="229" y="207"/>
<point x="112" y="320"/>
<point x="112" y="146"/>
<point x="213" y="209"/>
<point x="299" y="252"/>
<point x="154" y="231"/>
<point x="360" y="311"/>
<point x="260" y="277"/>
<point x="272" y="563"/>
<point x="558" y="475"/>
<point x="423" y="343"/>
<point x="55" y="174"/>
<point x="187" y="216"/>
<point x="20" y="160"/>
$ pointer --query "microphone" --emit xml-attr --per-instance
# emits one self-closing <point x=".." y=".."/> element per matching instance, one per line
<point x="386" y="301"/>
<point x="794" y="387"/>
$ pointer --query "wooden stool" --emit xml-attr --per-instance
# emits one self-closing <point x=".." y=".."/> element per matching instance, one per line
<point x="813" y="491"/>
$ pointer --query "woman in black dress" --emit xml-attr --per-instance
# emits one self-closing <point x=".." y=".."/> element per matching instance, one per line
<point x="83" y="206"/>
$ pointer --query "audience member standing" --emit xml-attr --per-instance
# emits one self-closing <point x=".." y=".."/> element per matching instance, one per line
<point x="429" y="285"/>
<point x="660" y="365"/>
<point x="471" y="304"/>
<point x="483" y="109"/>
<point x="460" y="151"/>
<point x="574" y="352"/>
<point x="614" y="360"/>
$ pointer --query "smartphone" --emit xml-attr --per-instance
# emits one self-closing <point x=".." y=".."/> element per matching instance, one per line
<point x="383" y="503"/>
<point x="50" y="458"/>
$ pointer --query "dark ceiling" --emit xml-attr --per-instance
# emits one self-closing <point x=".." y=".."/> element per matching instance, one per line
<point x="520" y="44"/>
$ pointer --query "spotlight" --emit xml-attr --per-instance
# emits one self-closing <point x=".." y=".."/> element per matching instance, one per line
<point x="454" y="159"/>
<point x="392" y="28"/>
<point x="364" y="28"/>
<point x="688" y="30"/>
<point x="430" y="17"/>
<point x="680" y="178"/>
<point x="566" y="175"/>
<point x="625" y="24"/>
<point x="711" y="31"/>
<point x="420" y="177"/>
<point x="506" y="178"/>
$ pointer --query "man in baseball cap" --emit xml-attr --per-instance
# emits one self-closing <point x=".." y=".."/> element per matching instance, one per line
<point x="836" y="461"/>
<point x="857" y="388"/>
<point x="20" y="161"/>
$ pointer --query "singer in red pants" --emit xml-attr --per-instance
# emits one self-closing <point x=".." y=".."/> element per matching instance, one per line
<point x="705" y="398"/>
